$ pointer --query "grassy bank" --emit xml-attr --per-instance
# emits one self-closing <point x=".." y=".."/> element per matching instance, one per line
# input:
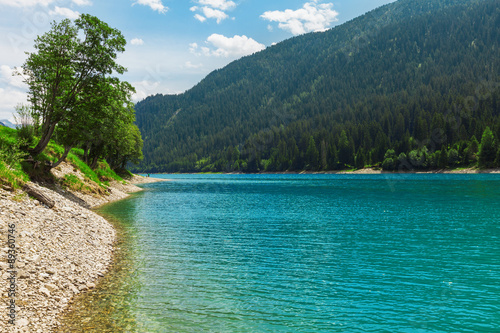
<point x="15" y="172"/>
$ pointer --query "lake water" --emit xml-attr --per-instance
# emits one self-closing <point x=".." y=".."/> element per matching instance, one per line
<point x="306" y="253"/>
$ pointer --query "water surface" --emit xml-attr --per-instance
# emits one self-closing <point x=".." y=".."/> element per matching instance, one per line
<point x="310" y="253"/>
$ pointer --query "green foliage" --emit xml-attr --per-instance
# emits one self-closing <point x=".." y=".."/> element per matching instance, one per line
<point x="470" y="153"/>
<point x="124" y="174"/>
<point x="312" y="155"/>
<point x="27" y="125"/>
<point x="12" y="176"/>
<point x="10" y="152"/>
<point x="453" y="158"/>
<point x="74" y="183"/>
<point x="390" y="160"/>
<point x="487" y="150"/>
<point x="106" y="174"/>
<point x="85" y="169"/>
<point x="11" y="173"/>
<point x="14" y="172"/>
<point x="74" y="97"/>
<point x="416" y="86"/>
<point x="497" y="160"/>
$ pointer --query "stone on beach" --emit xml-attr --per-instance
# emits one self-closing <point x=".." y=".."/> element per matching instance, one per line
<point x="60" y="252"/>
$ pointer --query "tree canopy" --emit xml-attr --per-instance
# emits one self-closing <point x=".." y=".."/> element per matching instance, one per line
<point x="73" y="94"/>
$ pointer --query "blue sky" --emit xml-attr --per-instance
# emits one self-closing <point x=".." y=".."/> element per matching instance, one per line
<point x="171" y="44"/>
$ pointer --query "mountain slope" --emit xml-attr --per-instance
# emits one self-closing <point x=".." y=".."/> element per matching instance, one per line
<point x="7" y="123"/>
<point x="339" y="98"/>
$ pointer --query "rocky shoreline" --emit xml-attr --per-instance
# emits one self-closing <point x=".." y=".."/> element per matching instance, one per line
<point x="60" y="252"/>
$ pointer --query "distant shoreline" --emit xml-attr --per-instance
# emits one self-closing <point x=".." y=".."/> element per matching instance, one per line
<point x="364" y="171"/>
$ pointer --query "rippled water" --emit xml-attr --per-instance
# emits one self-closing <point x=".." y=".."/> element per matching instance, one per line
<point x="309" y="253"/>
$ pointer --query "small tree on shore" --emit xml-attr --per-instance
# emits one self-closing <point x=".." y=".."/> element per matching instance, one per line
<point x="63" y="73"/>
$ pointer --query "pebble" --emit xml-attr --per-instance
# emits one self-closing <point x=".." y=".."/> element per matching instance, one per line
<point x="22" y="322"/>
<point x="45" y="291"/>
<point x="56" y="250"/>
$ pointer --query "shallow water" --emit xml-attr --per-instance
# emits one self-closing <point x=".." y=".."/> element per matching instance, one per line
<point x="304" y="253"/>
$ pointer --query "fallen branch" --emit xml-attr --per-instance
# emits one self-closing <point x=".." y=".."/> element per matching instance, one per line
<point x="39" y="195"/>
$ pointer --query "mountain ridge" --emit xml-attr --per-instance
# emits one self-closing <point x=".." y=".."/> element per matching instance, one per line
<point x="293" y="81"/>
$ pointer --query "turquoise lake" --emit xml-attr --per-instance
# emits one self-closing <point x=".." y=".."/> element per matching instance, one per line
<point x="314" y="253"/>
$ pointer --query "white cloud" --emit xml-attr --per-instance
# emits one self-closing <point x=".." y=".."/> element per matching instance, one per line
<point x="311" y="17"/>
<point x="9" y="79"/>
<point x="219" y="4"/>
<point x="193" y="47"/>
<point x="212" y="9"/>
<point x="65" y="12"/>
<point x="137" y="41"/>
<point x="154" y="5"/>
<point x="25" y="3"/>
<point x="82" y="2"/>
<point x="12" y="92"/>
<point x="200" y="18"/>
<point x="144" y="88"/>
<point x="214" y="14"/>
<point x="223" y="46"/>
<point x="10" y="99"/>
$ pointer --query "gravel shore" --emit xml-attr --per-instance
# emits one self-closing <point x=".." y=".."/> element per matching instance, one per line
<point x="60" y="252"/>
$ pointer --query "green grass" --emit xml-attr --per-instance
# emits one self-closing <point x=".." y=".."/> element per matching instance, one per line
<point x="74" y="183"/>
<point x="14" y="177"/>
<point x="124" y="174"/>
<point x="14" y="173"/>
<point x="11" y="172"/>
<point x="105" y="173"/>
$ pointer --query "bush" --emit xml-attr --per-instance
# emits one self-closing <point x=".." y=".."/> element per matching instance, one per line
<point x="11" y="152"/>
<point x="389" y="164"/>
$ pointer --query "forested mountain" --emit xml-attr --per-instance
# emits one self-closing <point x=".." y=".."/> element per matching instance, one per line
<point x="410" y="85"/>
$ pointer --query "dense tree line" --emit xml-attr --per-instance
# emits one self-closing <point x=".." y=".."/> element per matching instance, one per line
<point x="411" y="85"/>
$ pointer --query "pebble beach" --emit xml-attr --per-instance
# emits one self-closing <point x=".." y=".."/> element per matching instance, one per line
<point x="59" y="252"/>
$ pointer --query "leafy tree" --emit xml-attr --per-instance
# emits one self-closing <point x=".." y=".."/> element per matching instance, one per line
<point x="403" y="163"/>
<point x="390" y="160"/>
<point x="63" y="71"/>
<point x="99" y="120"/>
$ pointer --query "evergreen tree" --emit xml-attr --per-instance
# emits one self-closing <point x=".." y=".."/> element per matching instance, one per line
<point x="487" y="150"/>
<point x="312" y="155"/>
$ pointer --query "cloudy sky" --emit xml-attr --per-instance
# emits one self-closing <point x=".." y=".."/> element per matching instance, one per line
<point x="171" y="44"/>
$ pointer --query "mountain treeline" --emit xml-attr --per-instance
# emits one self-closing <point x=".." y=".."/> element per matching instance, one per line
<point x="411" y="85"/>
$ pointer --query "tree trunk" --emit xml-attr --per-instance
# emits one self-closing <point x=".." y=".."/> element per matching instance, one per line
<point x="86" y="153"/>
<point x="39" y="195"/>
<point x="94" y="163"/>
<point x="63" y="157"/>
<point x="44" y="141"/>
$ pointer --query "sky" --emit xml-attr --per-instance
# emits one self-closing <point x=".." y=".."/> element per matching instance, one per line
<point x="171" y="44"/>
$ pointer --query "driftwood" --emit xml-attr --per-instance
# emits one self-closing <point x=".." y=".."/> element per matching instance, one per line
<point x="39" y="195"/>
